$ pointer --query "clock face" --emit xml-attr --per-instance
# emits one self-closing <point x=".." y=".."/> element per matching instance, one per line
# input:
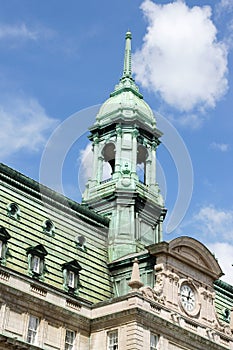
<point x="187" y="297"/>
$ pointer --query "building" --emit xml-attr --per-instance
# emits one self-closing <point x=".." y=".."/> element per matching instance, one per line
<point x="98" y="275"/>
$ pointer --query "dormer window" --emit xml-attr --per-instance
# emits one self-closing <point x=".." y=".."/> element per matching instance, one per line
<point x="36" y="261"/>
<point x="4" y="237"/>
<point x="13" y="211"/>
<point x="70" y="279"/>
<point x="71" y="276"/>
<point x="48" y="227"/>
<point x="81" y="243"/>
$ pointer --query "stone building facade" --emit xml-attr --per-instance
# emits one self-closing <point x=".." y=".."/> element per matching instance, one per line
<point x="98" y="275"/>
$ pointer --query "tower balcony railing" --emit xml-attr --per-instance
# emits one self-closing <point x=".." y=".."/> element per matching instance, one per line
<point x="106" y="180"/>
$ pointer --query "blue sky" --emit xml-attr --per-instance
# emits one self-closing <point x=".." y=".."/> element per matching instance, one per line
<point x="58" y="58"/>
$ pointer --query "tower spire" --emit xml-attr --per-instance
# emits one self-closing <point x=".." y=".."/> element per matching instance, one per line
<point x="127" y="73"/>
<point x="127" y="82"/>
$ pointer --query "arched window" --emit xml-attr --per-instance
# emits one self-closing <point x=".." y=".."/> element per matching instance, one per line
<point x="48" y="227"/>
<point x="13" y="211"/>
<point x="142" y="155"/>
<point x="109" y="161"/>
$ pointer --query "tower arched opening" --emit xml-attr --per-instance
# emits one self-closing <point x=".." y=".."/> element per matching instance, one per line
<point x="142" y="155"/>
<point x="108" y="154"/>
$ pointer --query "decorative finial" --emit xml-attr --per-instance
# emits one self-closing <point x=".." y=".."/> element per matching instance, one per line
<point x="135" y="282"/>
<point x="127" y="73"/>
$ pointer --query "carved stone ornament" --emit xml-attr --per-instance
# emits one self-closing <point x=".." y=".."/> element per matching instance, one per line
<point x="156" y="293"/>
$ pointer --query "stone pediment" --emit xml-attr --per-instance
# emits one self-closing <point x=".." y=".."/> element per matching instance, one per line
<point x="190" y="252"/>
<point x="196" y="253"/>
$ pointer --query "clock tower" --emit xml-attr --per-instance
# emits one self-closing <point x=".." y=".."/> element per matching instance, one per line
<point x="123" y="184"/>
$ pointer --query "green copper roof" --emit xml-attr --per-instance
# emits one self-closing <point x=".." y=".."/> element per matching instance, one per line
<point x="126" y="101"/>
<point x="31" y="186"/>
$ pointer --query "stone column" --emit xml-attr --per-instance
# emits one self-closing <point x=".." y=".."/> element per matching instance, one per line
<point x="134" y="152"/>
<point x="118" y="149"/>
<point x="153" y="163"/>
<point x="95" y="158"/>
<point x="99" y="174"/>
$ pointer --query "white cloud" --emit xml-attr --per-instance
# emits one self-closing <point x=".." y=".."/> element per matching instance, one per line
<point x="190" y="120"/>
<point x="215" y="222"/>
<point x="16" y="34"/>
<point x="86" y="159"/>
<point x="181" y="58"/>
<point x="23" y="126"/>
<point x="223" y="253"/>
<point x="86" y="167"/>
<point x="224" y="5"/>
<point x="223" y="147"/>
<point x="19" y="31"/>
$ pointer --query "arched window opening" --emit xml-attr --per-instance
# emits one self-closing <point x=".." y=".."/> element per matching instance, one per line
<point x="142" y="155"/>
<point x="13" y="211"/>
<point x="109" y="161"/>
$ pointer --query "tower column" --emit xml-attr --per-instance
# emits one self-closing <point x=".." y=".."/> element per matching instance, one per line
<point x="100" y="168"/>
<point x="148" y="171"/>
<point x="95" y="158"/>
<point x="134" y="151"/>
<point x="153" y="164"/>
<point x="118" y="149"/>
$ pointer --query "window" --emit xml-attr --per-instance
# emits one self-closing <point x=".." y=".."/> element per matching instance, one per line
<point x="36" y="261"/>
<point x="108" y="166"/>
<point x="36" y="264"/>
<point x="154" y="339"/>
<point x="32" y="329"/>
<point x="4" y="237"/>
<point x="226" y="314"/>
<point x="13" y="211"/>
<point x="71" y="276"/>
<point x="69" y="341"/>
<point x="113" y="340"/>
<point x="48" y="227"/>
<point x="142" y="155"/>
<point x="81" y="243"/>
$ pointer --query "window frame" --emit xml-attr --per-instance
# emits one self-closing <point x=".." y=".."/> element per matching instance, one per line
<point x="69" y="345"/>
<point x="36" y="264"/>
<point x="154" y="345"/>
<point x="71" y="280"/>
<point x="113" y="335"/>
<point x="38" y="252"/>
<point x="48" y="227"/>
<point x="4" y="237"/>
<point x="32" y="333"/>
<point x="16" y="214"/>
<point x="71" y="268"/>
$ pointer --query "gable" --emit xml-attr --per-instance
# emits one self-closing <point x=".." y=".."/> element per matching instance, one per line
<point x="195" y="253"/>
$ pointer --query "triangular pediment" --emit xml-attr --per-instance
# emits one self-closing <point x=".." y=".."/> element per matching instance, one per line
<point x="72" y="265"/>
<point x="37" y="250"/>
